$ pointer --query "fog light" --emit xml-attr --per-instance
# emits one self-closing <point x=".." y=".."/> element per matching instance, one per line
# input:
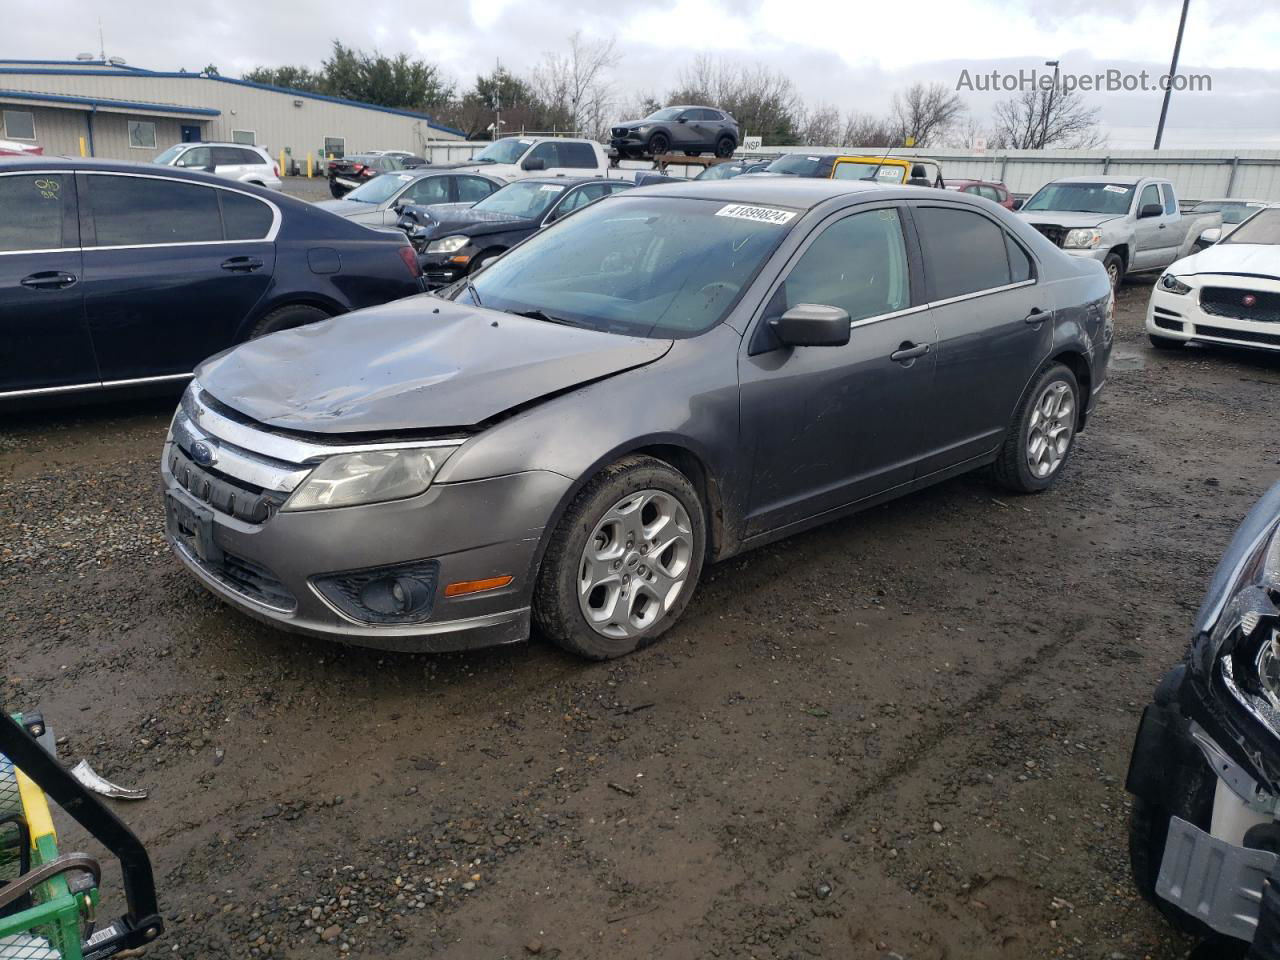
<point x="404" y="593"/>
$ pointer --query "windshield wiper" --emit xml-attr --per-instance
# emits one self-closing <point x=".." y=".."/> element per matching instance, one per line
<point x="543" y="316"/>
<point x="471" y="289"/>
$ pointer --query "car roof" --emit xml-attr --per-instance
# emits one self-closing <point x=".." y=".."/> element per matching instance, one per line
<point x="218" y="143"/>
<point x="1105" y="178"/>
<point x="801" y="192"/>
<point x="562" y="181"/>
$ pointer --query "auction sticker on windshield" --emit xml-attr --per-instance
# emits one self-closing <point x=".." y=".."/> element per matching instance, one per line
<point x="742" y="211"/>
<point x="551" y="188"/>
<point x="1112" y="188"/>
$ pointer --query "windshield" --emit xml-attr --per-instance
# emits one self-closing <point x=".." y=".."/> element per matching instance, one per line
<point x="636" y="265"/>
<point x="507" y="150"/>
<point x="1113" y="198"/>
<point x="870" y="168"/>
<point x="524" y="198"/>
<point x="666" y="113"/>
<point x="379" y="188"/>
<point x="798" y="165"/>
<point x="168" y="155"/>
<point x="721" y="171"/>
<point x="1231" y="212"/>
<point x="1262" y="227"/>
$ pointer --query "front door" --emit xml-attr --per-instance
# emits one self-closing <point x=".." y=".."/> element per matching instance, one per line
<point x="1155" y="242"/>
<point x="171" y="271"/>
<point x="994" y="323"/>
<point x="828" y="426"/>
<point x="44" y="340"/>
<point x="190" y="133"/>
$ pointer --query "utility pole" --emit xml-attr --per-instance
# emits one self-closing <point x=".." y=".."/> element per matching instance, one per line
<point x="1048" y="108"/>
<point x="1173" y="70"/>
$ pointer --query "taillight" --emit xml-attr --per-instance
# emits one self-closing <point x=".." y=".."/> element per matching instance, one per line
<point x="410" y="259"/>
<point x="276" y="168"/>
<point x="357" y="167"/>
<point x="369" y="172"/>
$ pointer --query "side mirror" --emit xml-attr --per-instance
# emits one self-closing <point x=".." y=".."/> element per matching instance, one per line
<point x="682" y="119"/>
<point x="1017" y="204"/>
<point x="534" y="163"/>
<point x="1150" y="210"/>
<point x="1211" y="236"/>
<point x="211" y="168"/>
<point x="812" y="325"/>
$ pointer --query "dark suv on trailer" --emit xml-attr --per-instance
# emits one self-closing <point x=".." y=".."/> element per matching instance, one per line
<point x="123" y="275"/>
<point x="694" y="130"/>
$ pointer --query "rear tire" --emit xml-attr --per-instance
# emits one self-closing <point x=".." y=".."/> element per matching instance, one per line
<point x="336" y="191"/>
<point x="1165" y="343"/>
<point x="725" y="147"/>
<point x="1149" y="831"/>
<point x="568" y="582"/>
<point x="286" y="318"/>
<point x="1042" y="435"/>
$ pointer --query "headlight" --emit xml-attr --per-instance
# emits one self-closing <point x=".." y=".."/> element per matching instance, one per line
<point x="348" y="479"/>
<point x="1172" y="284"/>
<point x="1082" y="238"/>
<point x="448" y="245"/>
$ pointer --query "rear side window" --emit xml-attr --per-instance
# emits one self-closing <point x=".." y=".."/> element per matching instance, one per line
<point x="858" y="263"/>
<point x="227" y="156"/>
<point x="579" y="156"/>
<point x="1019" y="262"/>
<point x="250" y="157"/>
<point x="473" y="189"/>
<point x="1170" y="202"/>
<point x="964" y="252"/>
<point x="244" y="218"/>
<point x="35" y="212"/>
<point x="143" y="210"/>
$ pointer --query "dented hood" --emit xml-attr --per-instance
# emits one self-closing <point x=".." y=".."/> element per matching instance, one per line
<point x="415" y="364"/>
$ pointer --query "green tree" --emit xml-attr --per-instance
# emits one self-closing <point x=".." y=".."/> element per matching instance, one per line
<point x="295" y="78"/>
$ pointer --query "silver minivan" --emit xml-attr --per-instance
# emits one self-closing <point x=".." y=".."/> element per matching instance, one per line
<point x="235" y="161"/>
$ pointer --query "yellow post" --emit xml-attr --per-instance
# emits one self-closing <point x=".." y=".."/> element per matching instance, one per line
<point x="83" y="152"/>
<point x="284" y="171"/>
<point x="308" y="164"/>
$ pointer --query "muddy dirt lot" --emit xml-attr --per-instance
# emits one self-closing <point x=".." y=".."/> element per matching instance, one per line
<point x="905" y="734"/>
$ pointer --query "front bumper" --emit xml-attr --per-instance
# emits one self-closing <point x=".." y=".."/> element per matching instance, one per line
<point x="474" y="531"/>
<point x="1181" y="317"/>
<point x="1098" y="253"/>
<point x="438" y="272"/>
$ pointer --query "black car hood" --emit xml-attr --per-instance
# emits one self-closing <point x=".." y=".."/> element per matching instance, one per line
<point x="404" y="366"/>
<point x="442" y="219"/>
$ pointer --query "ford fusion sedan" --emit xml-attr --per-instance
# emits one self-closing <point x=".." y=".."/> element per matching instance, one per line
<point x="377" y="202"/>
<point x="1204" y="838"/>
<point x="1227" y="294"/>
<point x="459" y="239"/>
<point x="662" y="380"/>
<point x="116" y="275"/>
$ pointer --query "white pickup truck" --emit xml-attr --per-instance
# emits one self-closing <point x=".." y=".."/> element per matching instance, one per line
<point x="514" y="158"/>
<point x="1130" y="224"/>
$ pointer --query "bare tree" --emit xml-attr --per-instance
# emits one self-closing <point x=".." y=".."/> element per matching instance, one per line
<point x="927" y="112"/>
<point x="576" y="83"/>
<point x="821" y="127"/>
<point x="864" y="130"/>
<point x="1036" y="119"/>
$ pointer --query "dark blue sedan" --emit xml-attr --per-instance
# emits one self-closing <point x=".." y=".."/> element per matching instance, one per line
<point x="118" y="275"/>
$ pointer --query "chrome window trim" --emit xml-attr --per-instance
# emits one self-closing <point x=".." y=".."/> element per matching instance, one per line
<point x="982" y="293"/>
<point x="37" y="173"/>
<point x="282" y="448"/>
<point x="866" y="321"/>
<point x="95" y="385"/>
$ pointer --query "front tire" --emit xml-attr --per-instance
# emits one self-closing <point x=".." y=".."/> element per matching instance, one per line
<point x="1042" y="434"/>
<point x="286" y="318"/>
<point x="623" y="562"/>
<point x="1191" y="800"/>
<point x="1115" y="269"/>
<point x="659" y="144"/>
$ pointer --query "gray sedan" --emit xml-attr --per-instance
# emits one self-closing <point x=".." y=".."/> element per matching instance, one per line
<point x="664" y="379"/>
<point x="376" y="203"/>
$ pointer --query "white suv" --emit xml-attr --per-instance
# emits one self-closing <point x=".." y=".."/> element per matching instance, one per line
<point x="235" y="161"/>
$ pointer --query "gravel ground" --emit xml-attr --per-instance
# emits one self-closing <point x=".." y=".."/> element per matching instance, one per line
<point x="313" y="189"/>
<point x="904" y="734"/>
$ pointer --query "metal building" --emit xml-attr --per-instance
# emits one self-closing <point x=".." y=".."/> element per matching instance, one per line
<point x="108" y="109"/>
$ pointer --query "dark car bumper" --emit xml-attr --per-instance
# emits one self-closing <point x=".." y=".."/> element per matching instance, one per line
<point x="438" y="270"/>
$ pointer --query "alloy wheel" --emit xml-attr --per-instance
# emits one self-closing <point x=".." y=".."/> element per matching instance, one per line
<point x="1053" y="419"/>
<point x="635" y="563"/>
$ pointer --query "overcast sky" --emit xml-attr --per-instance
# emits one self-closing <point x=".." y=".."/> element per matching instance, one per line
<point x="848" y="54"/>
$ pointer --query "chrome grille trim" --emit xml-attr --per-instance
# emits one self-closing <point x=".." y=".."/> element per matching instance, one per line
<point x="239" y="463"/>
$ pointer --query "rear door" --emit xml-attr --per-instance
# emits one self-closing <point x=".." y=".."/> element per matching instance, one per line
<point x="229" y="162"/>
<point x="424" y="190"/>
<point x="171" y="270"/>
<point x="994" y="322"/>
<point x="472" y="189"/>
<point x="45" y="338"/>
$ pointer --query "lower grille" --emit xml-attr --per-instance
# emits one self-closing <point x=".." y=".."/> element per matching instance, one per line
<point x="1165" y="324"/>
<point x="1244" y="336"/>
<point x="1054" y="233"/>
<point x="257" y="581"/>
<point x="1229" y="302"/>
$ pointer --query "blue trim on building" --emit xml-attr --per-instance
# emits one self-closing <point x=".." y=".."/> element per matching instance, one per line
<point x="126" y="71"/>
<point x="115" y="104"/>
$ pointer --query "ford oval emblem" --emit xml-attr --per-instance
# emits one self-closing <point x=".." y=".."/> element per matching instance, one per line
<point x="204" y="453"/>
<point x="1248" y="300"/>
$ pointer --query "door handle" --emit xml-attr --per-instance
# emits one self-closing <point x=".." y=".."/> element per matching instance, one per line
<point x="49" y="280"/>
<point x="242" y="264"/>
<point x="909" y="351"/>
<point x="1036" y="316"/>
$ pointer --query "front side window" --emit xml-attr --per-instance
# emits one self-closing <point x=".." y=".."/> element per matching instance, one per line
<point x="141" y="210"/>
<point x="198" y="157"/>
<point x="638" y="265"/>
<point x="580" y="198"/>
<point x="667" y="113"/>
<point x="142" y="133"/>
<point x="1150" y="195"/>
<point x="964" y="252"/>
<point x="19" y="125"/>
<point x="858" y="264"/>
<point x="35" y="212"/>
<point x="426" y="190"/>
<point x="506" y="150"/>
